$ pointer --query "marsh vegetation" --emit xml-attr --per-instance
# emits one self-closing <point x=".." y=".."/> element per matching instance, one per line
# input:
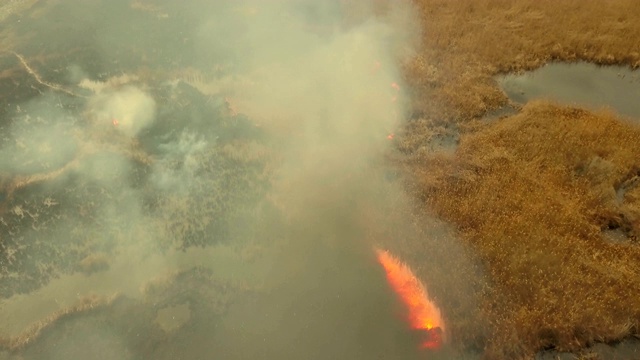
<point x="121" y="146"/>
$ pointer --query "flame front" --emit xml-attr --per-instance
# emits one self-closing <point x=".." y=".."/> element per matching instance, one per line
<point x="422" y="312"/>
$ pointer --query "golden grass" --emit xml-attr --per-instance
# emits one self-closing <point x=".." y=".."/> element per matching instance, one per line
<point x="531" y="195"/>
<point x="466" y="42"/>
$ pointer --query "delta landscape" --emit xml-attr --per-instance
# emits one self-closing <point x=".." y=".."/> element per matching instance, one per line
<point x="302" y="179"/>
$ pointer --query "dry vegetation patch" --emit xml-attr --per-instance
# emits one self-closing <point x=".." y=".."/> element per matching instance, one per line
<point x="466" y="42"/>
<point x="532" y="194"/>
<point x="535" y="195"/>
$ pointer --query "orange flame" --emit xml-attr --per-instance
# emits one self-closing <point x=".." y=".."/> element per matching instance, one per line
<point x="422" y="312"/>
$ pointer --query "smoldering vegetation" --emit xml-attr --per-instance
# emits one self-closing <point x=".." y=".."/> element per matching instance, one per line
<point x="81" y="182"/>
<point x="149" y="127"/>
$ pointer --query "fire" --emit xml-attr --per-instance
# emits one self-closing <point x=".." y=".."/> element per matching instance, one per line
<point x="423" y="315"/>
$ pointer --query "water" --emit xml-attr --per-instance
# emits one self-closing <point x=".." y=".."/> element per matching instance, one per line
<point x="21" y="311"/>
<point x="581" y="84"/>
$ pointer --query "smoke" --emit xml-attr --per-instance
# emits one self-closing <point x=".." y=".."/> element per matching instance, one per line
<point x="151" y="163"/>
<point x="179" y="162"/>
<point x="39" y="139"/>
<point x="330" y="92"/>
<point x="329" y="89"/>
<point x="129" y="109"/>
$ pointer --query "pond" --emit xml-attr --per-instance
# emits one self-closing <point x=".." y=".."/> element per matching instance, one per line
<point x="581" y="84"/>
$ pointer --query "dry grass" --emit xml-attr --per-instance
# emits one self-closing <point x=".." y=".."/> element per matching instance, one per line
<point x="532" y="194"/>
<point x="466" y="42"/>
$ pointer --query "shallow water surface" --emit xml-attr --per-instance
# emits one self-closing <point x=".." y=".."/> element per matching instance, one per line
<point x="20" y="311"/>
<point x="580" y="84"/>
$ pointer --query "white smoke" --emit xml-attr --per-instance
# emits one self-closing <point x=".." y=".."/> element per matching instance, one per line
<point x="129" y="109"/>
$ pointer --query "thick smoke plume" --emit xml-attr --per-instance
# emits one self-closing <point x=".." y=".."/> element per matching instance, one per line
<point x="129" y="109"/>
<point x="311" y="88"/>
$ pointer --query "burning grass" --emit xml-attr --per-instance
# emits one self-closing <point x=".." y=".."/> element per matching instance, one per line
<point x="532" y="194"/>
<point x="422" y="313"/>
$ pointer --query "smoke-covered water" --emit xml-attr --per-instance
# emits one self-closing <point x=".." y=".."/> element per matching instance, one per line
<point x="200" y="179"/>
